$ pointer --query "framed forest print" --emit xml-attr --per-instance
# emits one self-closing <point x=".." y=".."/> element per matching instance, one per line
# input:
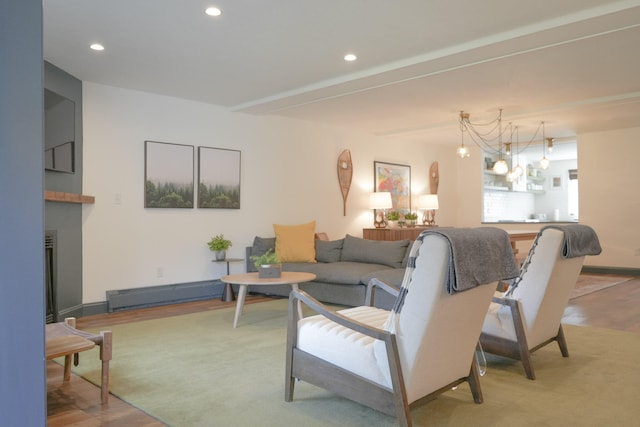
<point x="395" y="179"/>
<point x="218" y="178"/>
<point x="168" y="175"/>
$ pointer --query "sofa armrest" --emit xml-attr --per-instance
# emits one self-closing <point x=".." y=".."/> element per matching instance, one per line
<point x="377" y="283"/>
<point x="250" y="266"/>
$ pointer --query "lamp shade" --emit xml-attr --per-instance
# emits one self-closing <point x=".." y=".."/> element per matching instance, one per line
<point x="428" y="202"/>
<point x="380" y="200"/>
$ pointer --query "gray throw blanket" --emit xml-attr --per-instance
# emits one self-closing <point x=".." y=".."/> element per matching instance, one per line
<point x="579" y="240"/>
<point x="477" y="256"/>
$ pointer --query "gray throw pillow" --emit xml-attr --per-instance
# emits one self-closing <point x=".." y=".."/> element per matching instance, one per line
<point x="262" y="244"/>
<point x="328" y="250"/>
<point x="374" y="251"/>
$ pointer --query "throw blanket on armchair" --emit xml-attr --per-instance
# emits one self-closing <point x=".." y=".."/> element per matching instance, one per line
<point x="477" y="256"/>
<point x="579" y="240"/>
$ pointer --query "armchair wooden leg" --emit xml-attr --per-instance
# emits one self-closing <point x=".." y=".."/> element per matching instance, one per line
<point x="521" y="335"/>
<point x="525" y="357"/>
<point x="562" y="342"/>
<point x="474" y="383"/>
<point x="292" y="339"/>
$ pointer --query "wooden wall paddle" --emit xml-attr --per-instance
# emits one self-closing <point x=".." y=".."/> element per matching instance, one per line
<point x="345" y="173"/>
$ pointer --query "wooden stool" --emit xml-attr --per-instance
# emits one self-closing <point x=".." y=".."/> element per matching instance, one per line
<point x="63" y="339"/>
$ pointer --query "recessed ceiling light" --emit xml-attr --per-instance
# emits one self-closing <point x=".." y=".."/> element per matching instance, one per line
<point x="213" y="11"/>
<point x="350" y="57"/>
<point x="97" y="46"/>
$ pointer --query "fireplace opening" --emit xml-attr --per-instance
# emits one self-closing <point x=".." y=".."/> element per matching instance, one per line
<point x="50" y="260"/>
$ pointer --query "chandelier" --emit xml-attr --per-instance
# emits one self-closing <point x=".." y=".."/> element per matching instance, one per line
<point x="498" y="141"/>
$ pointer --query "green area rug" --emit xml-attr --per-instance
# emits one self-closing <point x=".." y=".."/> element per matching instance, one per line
<point x="196" y="370"/>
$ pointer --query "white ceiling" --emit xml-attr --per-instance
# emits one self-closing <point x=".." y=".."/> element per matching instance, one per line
<point x="572" y="63"/>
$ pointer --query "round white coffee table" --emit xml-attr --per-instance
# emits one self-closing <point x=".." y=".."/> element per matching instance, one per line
<point x="292" y="278"/>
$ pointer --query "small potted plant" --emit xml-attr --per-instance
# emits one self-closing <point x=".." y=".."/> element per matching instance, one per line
<point x="393" y="217"/>
<point x="219" y="245"/>
<point x="411" y="218"/>
<point x="267" y="264"/>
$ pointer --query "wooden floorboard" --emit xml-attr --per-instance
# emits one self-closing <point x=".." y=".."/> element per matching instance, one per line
<point x="77" y="403"/>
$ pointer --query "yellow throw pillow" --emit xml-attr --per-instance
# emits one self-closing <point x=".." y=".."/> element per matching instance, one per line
<point x="295" y="243"/>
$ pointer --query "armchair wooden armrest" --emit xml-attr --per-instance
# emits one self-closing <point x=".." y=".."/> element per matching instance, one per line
<point x="297" y="296"/>
<point x="506" y="301"/>
<point x="377" y="283"/>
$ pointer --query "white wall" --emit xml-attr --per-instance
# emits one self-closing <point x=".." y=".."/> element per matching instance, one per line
<point x="609" y="186"/>
<point x="289" y="176"/>
<point x="609" y="196"/>
<point x="556" y="197"/>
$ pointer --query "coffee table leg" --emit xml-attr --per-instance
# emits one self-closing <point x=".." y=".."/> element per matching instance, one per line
<point x="242" y="292"/>
<point x="295" y="287"/>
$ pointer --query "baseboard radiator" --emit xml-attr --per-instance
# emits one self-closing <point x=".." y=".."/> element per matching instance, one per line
<point x="126" y="299"/>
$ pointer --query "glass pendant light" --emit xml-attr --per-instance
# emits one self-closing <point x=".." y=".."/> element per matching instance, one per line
<point x="544" y="162"/>
<point x="518" y="170"/>
<point x="462" y="151"/>
<point x="500" y="167"/>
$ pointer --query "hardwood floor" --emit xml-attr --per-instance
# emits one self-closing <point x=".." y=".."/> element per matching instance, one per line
<point x="77" y="403"/>
<point x="617" y="307"/>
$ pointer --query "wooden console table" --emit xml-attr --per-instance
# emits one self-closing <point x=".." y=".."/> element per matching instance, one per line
<point x="391" y="234"/>
<point x="411" y="233"/>
<point x="516" y="236"/>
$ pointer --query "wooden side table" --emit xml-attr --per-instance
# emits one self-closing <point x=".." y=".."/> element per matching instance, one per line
<point x="63" y="339"/>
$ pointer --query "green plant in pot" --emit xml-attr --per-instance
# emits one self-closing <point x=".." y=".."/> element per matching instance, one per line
<point x="219" y="245"/>
<point x="411" y="218"/>
<point x="267" y="264"/>
<point x="393" y="217"/>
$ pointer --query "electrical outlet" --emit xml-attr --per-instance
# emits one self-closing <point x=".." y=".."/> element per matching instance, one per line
<point x="159" y="272"/>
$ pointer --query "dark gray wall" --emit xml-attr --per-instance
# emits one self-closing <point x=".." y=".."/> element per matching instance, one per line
<point x="66" y="218"/>
<point x="67" y="86"/>
<point x="22" y="364"/>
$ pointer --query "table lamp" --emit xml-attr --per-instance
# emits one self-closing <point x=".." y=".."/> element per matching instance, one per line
<point x="380" y="201"/>
<point x="428" y="203"/>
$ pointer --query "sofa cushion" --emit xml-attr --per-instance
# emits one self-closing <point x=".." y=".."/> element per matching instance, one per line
<point x="342" y="273"/>
<point x="262" y="244"/>
<point x="328" y="251"/>
<point x="391" y="254"/>
<point x="295" y="243"/>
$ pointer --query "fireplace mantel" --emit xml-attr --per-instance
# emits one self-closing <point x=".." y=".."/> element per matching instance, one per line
<point x="58" y="196"/>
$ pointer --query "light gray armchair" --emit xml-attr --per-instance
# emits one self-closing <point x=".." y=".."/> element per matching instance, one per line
<point x="392" y="360"/>
<point x="527" y="316"/>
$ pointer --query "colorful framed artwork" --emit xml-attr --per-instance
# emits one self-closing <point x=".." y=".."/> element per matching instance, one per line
<point x="218" y="178"/>
<point x="168" y="175"/>
<point x="395" y="179"/>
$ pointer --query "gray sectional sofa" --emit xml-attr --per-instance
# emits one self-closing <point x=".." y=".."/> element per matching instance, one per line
<point x="343" y="268"/>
